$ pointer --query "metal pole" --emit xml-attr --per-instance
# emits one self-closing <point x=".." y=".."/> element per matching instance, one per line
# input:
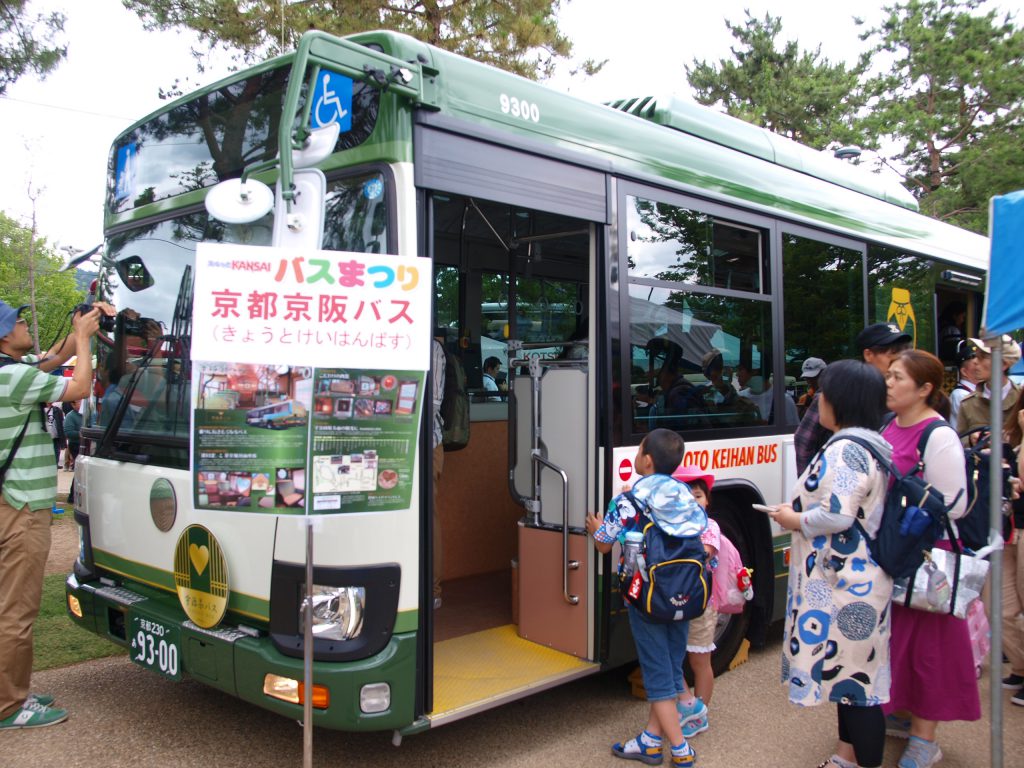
<point x="995" y="618"/>
<point x="307" y="654"/>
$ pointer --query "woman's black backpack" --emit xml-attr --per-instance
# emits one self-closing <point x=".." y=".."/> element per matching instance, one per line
<point x="914" y="516"/>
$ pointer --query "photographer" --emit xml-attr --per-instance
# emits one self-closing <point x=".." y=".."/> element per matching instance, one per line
<point x="29" y="489"/>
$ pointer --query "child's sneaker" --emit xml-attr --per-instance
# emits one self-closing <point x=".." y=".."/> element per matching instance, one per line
<point x="695" y="710"/>
<point x="920" y="754"/>
<point x="695" y="725"/>
<point x="33" y="715"/>
<point x="645" y="748"/>
<point x="897" y="726"/>
<point x="683" y="756"/>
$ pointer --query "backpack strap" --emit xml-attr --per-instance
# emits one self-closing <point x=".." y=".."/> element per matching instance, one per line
<point x="6" y="360"/>
<point x="922" y="441"/>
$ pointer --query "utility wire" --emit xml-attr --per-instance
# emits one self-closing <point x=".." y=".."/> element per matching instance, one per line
<point x="67" y="109"/>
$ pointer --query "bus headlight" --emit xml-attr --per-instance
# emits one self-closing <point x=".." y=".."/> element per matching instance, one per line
<point x="337" y="612"/>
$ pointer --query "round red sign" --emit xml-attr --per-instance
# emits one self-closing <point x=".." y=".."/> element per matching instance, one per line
<point x="625" y="470"/>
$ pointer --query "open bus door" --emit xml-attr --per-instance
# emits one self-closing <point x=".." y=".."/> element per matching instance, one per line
<point x="550" y="476"/>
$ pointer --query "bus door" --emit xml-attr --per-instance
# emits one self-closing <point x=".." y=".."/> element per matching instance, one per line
<point x="551" y="474"/>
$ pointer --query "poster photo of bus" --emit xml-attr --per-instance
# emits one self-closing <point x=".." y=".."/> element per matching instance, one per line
<point x="250" y="423"/>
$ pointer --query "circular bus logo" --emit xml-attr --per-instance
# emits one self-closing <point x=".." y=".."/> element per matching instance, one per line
<point x="201" y="576"/>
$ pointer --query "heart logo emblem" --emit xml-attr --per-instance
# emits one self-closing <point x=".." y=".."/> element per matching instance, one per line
<point x="199" y="556"/>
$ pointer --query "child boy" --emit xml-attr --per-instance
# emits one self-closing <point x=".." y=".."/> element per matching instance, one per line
<point x="659" y="647"/>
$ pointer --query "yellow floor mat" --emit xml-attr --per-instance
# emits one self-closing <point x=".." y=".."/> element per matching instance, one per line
<point x="479" y="670"/>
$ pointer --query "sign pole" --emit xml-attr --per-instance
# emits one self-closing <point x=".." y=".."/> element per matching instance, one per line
<point x="307" y="654"/>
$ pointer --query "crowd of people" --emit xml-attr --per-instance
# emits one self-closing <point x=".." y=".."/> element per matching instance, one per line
<point x="890" y="669"/>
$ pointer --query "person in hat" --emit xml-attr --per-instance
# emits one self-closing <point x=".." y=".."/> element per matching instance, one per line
<point x="809" y="372"/>
<point x="878" y="344"/>
<point x="967" y="363"/>
<point x="700" y="642"/>
<point x="29" y="478"/>
<point x="974" y="410"/>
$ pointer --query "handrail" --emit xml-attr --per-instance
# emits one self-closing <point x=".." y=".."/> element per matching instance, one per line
<point x="567" y="564"/>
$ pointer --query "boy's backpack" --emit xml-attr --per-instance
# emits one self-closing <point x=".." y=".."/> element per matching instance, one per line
<point x="914" y="515"/>
<point x="454" y="405"/>
<point x="725" y="589"/>
<point x="671" y="581"/>
<point x="973" y="527"/>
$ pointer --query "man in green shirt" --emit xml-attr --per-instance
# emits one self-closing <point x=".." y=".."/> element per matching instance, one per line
<point x="28" y="493"/>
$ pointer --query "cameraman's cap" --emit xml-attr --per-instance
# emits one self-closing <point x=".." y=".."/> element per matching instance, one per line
<point x="9" y="317"/>
<point x="881" y="335"/>
<point x="1010" y="348"/>
<point x="812" y="368"/>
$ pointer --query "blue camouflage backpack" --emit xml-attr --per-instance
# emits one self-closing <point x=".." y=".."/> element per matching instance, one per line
<point x="670" y="581"/>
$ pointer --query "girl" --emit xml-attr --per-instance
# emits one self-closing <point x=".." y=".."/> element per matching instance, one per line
<point x="693" y="707"/>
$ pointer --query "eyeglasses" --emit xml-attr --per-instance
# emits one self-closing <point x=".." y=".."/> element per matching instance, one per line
<point x="21" y="321"/>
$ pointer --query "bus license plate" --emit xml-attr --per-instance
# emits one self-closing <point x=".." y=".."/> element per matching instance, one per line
<point x="156" y="646"/>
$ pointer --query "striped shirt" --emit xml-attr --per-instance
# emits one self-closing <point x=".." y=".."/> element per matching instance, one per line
<point x="32" y="477"/>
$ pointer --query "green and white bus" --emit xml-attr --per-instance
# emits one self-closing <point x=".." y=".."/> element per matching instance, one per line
<point x="642" y="263"/>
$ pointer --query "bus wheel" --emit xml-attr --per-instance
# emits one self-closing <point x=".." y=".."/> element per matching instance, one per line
<point x="732" y="627"/>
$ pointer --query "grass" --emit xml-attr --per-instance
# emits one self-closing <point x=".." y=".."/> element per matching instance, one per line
<point x="57" y="640"/>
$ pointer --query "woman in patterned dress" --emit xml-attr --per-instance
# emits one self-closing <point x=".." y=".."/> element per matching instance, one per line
<point x="837" y="603"/>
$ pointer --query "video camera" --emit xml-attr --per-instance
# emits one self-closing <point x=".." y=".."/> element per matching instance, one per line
<point x="130" y="326"/>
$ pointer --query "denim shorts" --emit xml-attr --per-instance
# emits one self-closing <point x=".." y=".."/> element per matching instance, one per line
<point x="660" y="649"/>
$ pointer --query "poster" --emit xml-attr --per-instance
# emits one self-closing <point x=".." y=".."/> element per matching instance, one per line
<point x="308" y="379"/>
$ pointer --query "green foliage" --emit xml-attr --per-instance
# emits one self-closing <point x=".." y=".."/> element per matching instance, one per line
<point x="28" y="44"/>
<point x="55" y="292"/>
<point x="57" y="641"/>
<point x="951" y="96"/>
<point x="521" y="36"/>
<point x="799" y="95"/>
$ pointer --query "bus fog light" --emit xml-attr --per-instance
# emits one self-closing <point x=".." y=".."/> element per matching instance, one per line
<point x="74" y="606"/>
<point x="283" y="688"/>
<point x="375" y="697"/>
<point x="337" y="612"/>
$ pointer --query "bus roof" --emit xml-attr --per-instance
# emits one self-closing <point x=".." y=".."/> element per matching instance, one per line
<point x="690" y="147"/>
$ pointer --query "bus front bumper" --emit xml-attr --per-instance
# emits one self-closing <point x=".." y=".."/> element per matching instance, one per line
<point x="243" y="662"/>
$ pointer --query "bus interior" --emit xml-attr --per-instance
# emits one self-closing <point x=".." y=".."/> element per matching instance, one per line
<point x="507" y="276"/>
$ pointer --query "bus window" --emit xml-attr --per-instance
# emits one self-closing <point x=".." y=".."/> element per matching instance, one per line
<point x="902" y="291"/>
<point x="685" y="352"/>
<point x="671" y="243"/>
<point x="823" y="285"/>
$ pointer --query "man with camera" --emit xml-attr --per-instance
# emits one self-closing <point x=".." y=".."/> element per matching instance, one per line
<point x="28" y="488"/>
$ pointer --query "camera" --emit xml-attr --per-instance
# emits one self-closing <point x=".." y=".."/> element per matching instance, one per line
<point x="107" y="322"/>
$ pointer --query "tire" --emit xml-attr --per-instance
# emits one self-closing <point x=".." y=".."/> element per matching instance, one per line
<point x="732" y="627"/>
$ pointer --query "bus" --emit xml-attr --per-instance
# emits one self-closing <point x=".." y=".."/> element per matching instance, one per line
<point x="678" y="245"/>
<point x="277" y="415"/>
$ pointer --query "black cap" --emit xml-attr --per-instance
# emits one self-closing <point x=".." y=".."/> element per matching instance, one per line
<point x="881" y="335"/>
<point x="965" y="350"/>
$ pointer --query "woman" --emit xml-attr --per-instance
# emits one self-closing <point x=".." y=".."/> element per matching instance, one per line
<point x="933" y="675"/>
<point x="837" y="602"/>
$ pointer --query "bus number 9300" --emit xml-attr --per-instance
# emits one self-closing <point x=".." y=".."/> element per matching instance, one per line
<point x="510" y="105"/>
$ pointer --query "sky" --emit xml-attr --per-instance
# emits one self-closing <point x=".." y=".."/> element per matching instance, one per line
<point x="58" y="131"/>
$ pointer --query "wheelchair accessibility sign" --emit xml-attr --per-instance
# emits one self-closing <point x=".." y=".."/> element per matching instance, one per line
<point x="332" y="101"/>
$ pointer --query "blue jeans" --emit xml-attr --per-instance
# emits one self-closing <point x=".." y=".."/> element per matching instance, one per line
<point x="660" y="649"/>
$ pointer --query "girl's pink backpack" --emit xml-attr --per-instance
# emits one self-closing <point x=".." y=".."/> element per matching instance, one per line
<point x="726" y="593"/>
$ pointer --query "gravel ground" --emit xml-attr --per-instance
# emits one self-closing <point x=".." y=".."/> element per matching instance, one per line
<point x="125" y="716"/>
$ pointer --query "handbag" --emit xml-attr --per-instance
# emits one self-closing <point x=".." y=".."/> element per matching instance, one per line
<point x="948" y="581"/>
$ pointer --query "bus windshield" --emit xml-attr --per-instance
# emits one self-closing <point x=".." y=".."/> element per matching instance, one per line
<point x="147" y="274"/>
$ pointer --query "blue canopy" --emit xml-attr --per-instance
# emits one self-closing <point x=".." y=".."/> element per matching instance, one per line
<point x="1004" y="300"/>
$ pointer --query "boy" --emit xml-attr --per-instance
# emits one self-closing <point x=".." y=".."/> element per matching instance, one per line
<point x="660" y="647"/>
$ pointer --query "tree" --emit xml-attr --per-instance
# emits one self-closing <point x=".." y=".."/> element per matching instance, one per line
<point x="798" y="95"/>
<point x="951" y="96"/>
<point x="28" y="44"/>
<point x="55" y="292"/>
<point x="521" y="36"/>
